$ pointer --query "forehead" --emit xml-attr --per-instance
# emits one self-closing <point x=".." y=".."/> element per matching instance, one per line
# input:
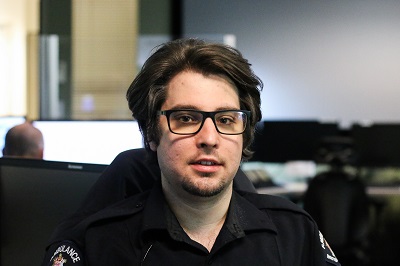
<point x="207" y="93"/>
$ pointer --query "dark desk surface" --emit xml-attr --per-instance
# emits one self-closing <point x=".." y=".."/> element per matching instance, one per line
<point x="299" y="189"/>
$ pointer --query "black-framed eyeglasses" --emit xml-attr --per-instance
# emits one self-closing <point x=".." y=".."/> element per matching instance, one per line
<point x="189" y="122"/>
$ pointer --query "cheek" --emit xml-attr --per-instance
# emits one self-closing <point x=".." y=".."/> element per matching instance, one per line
<point x="237" y="141"/>
<point x="161" y="135"/>
<point x="239" y="149"/>
<point x="170" y="157"/>
<point x="168" y="146"/>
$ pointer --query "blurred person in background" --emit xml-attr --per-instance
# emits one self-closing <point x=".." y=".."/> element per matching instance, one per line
<point x="24" y="141"/>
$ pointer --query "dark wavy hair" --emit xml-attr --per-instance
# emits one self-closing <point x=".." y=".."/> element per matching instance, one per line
<point x="147" y="92"/>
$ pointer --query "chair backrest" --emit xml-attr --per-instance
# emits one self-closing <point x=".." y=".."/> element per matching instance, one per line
<point x="339" y="204"/>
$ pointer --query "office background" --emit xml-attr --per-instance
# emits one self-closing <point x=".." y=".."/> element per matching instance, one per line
<point x="319" y="59"/>
<point x="332" y="61"/>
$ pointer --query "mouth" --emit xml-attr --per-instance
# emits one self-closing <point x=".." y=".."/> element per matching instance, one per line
<point x="208" y="163"/>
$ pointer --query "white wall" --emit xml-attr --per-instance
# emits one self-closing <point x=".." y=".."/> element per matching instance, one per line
<point x="320" y="59"/>
<point x="17" y="18"/>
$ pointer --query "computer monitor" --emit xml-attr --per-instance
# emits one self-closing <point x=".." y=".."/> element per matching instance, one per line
<point x="7" y="122"/>
<point x="97" y="142"/>
<point x="35" y="196"/>
<point x="377" y="144"/>
<point x="283" y="141"/>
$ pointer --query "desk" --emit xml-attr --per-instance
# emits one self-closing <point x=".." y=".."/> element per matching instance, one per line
<point x="299" y="189"/>
<point x="382" y="191"/>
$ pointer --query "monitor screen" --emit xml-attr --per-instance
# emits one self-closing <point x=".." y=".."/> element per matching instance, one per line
<point x="35" y="196"/>
<point x="283" y="141"/>
<point x="377" y="144"/>
<point x="7" y="122"/>
<point x="97" y="142"/>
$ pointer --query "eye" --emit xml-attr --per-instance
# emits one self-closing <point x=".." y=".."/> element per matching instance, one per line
<point x="226" y="120"/>
<point x="185" y="117"/>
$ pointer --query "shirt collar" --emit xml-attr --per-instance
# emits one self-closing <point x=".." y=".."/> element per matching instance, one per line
<point x="248" y="217"/>
<point x="242" y="216"/>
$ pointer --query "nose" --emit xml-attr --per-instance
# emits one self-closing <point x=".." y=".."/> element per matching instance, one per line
<point x="208" y="136"/>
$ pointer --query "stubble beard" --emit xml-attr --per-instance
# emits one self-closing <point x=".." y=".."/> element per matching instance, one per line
<point x="206" y="192"/>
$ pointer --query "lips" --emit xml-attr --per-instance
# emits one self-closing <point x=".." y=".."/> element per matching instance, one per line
<point x="206" y="165"/>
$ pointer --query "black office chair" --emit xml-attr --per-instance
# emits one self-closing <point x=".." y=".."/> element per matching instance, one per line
<point x="339" y="204"/>
<point x="130" y="173"/>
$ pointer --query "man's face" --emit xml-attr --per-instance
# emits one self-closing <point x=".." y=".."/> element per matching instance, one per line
<point x="203" y="164"/>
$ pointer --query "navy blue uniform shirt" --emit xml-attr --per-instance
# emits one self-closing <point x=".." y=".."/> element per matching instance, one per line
<point x="142" y="230"/>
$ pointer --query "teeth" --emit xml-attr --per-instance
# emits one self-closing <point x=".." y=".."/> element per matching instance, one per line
<point x="206" y="163"/>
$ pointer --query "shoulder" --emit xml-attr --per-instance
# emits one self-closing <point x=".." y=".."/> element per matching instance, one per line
<point x="75" y="227"/>
<point x="273" y="203"/>
<point x="129" y="207"/>
<point x="64" y="253"/>
<point x="67" y="247"/>
<point x="293" y="224"/>
<point x="287" y="217"/>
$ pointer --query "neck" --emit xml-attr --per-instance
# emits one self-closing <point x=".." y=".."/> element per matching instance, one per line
<point x="201" y="218"/>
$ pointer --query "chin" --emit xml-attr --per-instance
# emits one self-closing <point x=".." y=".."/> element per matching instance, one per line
<point x="203" y="192"/>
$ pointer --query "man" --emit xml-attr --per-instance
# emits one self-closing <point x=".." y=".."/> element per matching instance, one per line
<point x="197" y="105"/>
<point x="24" y="141"/>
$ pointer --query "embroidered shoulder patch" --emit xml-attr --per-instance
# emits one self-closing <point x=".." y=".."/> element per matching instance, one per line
<point x="330" y="256"/>
<point x="64" y="254"/>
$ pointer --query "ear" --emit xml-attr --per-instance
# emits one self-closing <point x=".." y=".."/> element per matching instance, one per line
<point x="41" y="154"/>
<point x="153" y="146"/>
